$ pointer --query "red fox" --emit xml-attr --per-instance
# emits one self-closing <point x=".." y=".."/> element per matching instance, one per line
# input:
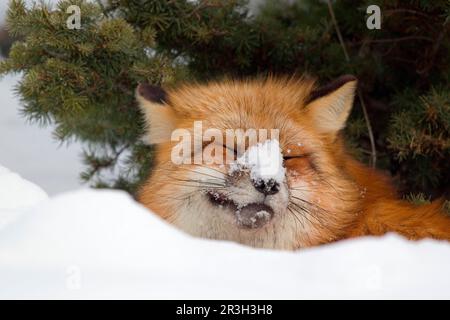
<point x="322" y="194"/>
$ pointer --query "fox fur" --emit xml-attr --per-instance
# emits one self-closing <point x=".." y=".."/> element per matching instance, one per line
<point x="328" y="195"/>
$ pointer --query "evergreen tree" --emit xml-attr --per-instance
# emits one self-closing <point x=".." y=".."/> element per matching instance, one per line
<point x="83" y="80"/>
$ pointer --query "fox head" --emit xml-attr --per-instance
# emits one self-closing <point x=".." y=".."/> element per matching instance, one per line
<point x="306" y="199"/>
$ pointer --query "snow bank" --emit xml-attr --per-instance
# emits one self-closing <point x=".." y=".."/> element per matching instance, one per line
<point x="102" y="244"/>
<point x="16" y="193"/>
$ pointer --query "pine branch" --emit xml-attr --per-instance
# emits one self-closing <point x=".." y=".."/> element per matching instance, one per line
<point x="360" y="96"/>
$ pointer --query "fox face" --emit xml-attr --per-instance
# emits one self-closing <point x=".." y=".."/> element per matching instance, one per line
<point x="282" y="190"/>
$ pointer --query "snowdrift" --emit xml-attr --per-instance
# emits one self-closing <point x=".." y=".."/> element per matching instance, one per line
<point x="102" y="244"/>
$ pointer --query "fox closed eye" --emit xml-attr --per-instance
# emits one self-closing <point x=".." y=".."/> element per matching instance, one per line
<point x="295" y="156"/>
<point x="293" y="151"/>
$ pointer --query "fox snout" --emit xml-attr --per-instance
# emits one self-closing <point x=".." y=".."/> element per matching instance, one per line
<point x="253" y="202"/>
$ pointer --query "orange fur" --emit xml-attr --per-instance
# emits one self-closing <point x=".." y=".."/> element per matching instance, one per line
<point x="342" y="198"/>
<point x="384" y="212"/>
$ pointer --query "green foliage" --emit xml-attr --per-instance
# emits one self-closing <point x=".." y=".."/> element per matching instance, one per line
<point x="417" y="199"/>
<point x="419" y="137"/>
<point x="83" y="80"/>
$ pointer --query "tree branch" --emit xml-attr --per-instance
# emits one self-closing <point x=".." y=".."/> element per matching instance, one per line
<point x="360" y="96"/>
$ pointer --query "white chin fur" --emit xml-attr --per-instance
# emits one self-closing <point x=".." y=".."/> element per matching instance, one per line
<point x="201" y="218"/>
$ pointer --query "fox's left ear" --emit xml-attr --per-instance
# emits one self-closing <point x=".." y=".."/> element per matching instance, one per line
<point x="330" y="106"/>
<point x="159" y="116"/>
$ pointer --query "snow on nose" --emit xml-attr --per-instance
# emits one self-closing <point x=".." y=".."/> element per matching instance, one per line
<point x="264" y="161"/>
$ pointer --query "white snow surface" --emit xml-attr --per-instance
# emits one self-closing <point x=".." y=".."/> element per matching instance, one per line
<point x="12" y="195"/>
<point x="102" y="244"/>
<point x="11" y="188"/>
<point x="264" y="161"/>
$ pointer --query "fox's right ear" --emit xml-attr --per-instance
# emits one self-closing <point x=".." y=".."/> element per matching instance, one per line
<point x="330" y="105"/>
<point x="159" y="116"/>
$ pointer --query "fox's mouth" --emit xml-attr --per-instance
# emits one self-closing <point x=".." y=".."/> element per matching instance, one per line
<point x="250" y="216"/>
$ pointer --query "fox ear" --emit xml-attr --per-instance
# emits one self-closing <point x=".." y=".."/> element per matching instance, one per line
<point x="159" y="117"/>
<point x="330" y="106"/>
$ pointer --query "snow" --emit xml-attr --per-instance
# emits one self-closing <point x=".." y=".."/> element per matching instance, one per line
<point x="252" y="221"/>
<point x="102" y="244"/>
<point x="11" y="188"/>
<point x="3" y="9"/>
<point x="263" y="214"/>
<point x="16" y="193"/>
<point x="264" y="161"/>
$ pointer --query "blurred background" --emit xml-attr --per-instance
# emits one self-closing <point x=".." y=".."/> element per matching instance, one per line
<point x="31" y="150"/>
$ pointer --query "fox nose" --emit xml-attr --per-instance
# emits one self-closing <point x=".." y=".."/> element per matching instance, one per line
<point x="268" y="187"/>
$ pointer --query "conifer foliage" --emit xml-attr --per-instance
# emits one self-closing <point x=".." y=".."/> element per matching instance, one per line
<point x="83" y="80"/>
